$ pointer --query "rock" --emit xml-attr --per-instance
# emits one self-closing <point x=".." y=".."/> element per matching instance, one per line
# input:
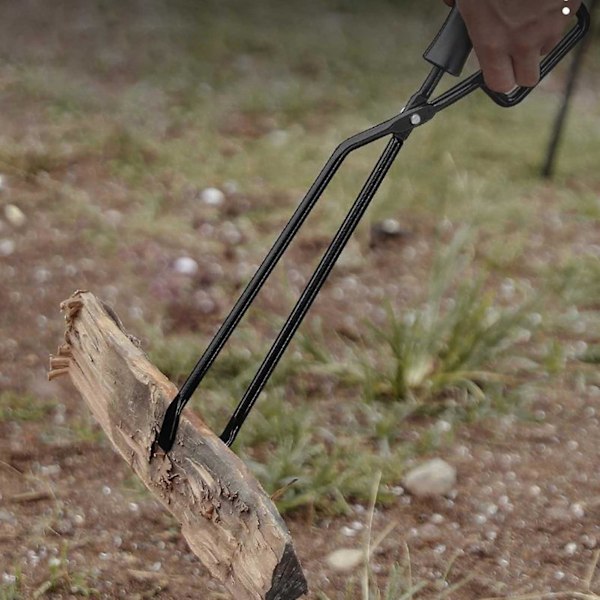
<point x="559" y="514"/>
<point x="386" y="230"/>
<point x="14" y="215"/>
<point x="345" y="559"/>
<point x="430" y="532"/>
<point x="186" y="265"/>
<point x="432" y="478"/>
<point x="351" y="258"/>
<point x="7" y="247"/>
<point x="212" y="196"/>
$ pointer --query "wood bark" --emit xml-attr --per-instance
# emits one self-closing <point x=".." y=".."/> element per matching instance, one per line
<point x="228" y="520"/>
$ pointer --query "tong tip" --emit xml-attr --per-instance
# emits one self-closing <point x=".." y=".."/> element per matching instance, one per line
<point x="168" y="430"/>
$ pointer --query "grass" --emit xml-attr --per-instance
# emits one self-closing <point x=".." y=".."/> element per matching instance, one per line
<point x="62" y="579"/>
<point x="10" y="586"/>
<point x="459" y="356"/>
<point x="23" y="407"/>
<point x="400" y="583"/>
<point x="454" y="345"/>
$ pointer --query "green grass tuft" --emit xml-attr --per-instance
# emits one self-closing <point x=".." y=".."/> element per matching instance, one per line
<point x="456" y="345"/>
<point x="23" y="407"/>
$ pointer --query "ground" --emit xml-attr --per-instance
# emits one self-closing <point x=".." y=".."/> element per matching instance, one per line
<point x="138" y="134"/>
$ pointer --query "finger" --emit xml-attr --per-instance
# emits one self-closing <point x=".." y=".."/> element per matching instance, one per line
<point x="526" y="67"/>
<point x="497" y="70"/>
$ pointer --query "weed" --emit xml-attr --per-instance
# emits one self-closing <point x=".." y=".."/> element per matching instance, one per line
<point x="451" y="348"/>
<point x="23" y="407"/>
<point x="10" y="586"/>
<point x="578" y="282"/>
<point x="28" y="160"/>
<point x="400" y="584"/>
<point x="327" y="470"/>
<point x="61" y="578"/>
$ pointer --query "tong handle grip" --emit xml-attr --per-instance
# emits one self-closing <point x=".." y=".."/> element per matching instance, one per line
<point x="573" y="36"/>
<point x="452" y="45"/>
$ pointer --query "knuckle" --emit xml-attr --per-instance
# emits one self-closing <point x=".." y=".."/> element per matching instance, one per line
<point x="492" y="47"/>
<point x="524" y="46"/>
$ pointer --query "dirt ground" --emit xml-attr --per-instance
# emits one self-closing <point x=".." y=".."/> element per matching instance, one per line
<point x="524" y="516"/>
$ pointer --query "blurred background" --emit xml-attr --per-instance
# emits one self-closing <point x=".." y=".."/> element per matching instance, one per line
<point x="152" y="151"/>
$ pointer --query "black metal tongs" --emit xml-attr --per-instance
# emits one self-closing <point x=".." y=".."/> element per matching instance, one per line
<point x="447" y="53"/>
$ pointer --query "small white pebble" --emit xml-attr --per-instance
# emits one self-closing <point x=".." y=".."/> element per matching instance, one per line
<point x="185" y="265"/>
<point x="156" y="566"/>
<point x="50" y="470"/>
<point x="535" y="318"/>
<point x="14" y="215"/>
<point x="54" y="562"/>
<point x="437" y="518"/>
<point x="134" y="507"/>
<point x="535" y="490"/>
<point x="106" y="490"/>
<point x="212" y="196"/>
<point x="572" y="445"/>
<point x="231" y="234"/>
<point x="480" y="519"/>
<point x="577" y="510"/>
<point x="559" y="575"/>
<point x="348" y="531"/>
<point x="440" y="549"/>
<point x="345" y="559"/>
<point x="570" y="548"/>
<point x="391" y="227"/>
<point x="104" y="556"/>
<point x="503" y="562"/>
<point x="7" y="247"/>
<point x="357" y="525"/>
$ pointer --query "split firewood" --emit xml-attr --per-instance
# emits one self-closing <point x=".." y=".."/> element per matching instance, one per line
<point x="228" y="520"/>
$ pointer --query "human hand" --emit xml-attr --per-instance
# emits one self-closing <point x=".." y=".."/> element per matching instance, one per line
<point x="509" y="36"/>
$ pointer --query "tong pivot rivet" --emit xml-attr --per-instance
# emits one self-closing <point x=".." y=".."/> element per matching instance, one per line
<point x="415" y="119"/>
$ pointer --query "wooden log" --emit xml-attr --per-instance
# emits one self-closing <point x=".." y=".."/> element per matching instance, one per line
<point x="228" y="520"/>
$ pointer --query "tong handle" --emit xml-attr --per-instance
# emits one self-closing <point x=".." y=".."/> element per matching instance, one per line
<point x="452" y="45"/>
<point x="573" y="36"/>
